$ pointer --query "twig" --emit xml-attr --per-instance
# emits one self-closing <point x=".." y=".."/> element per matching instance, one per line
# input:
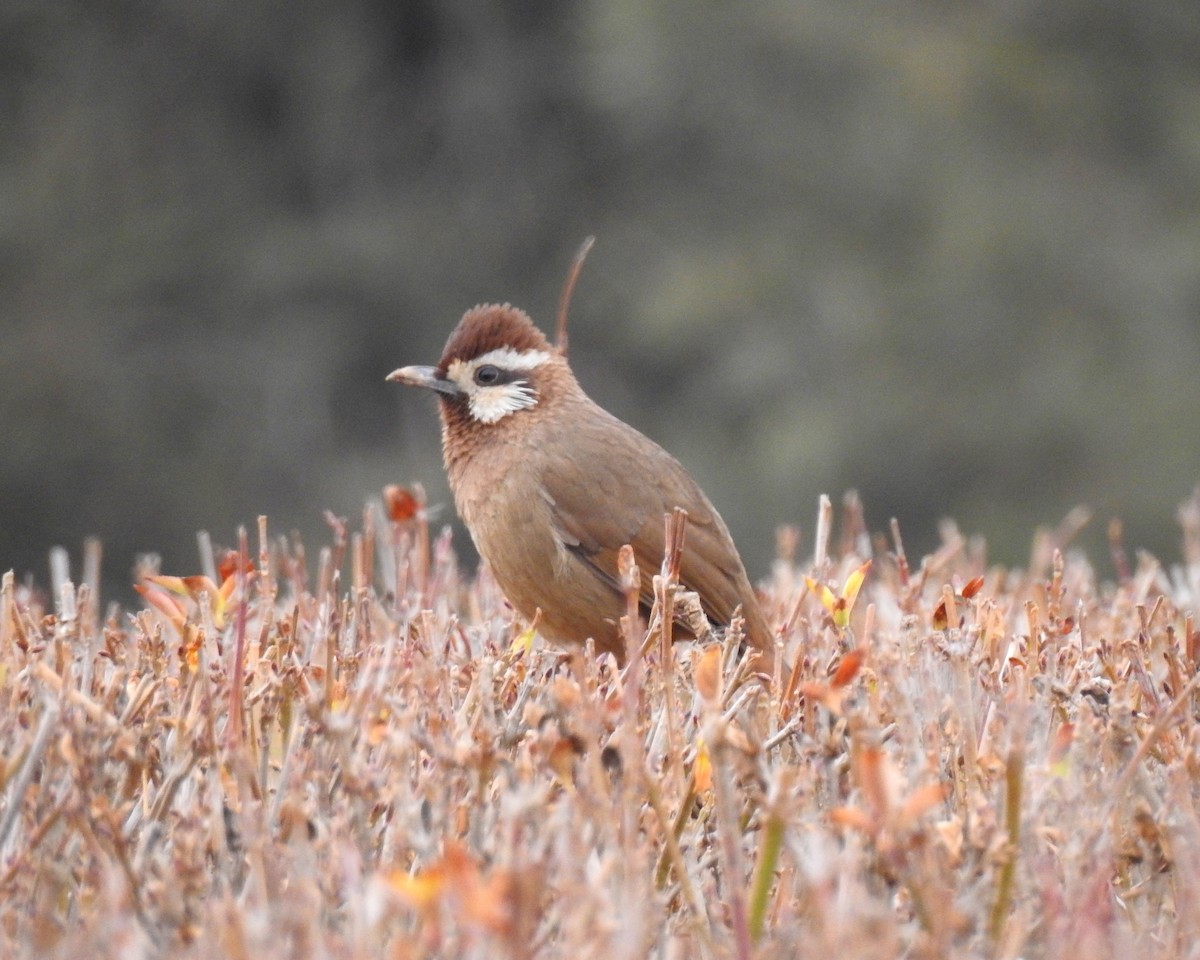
<point x="24" y="777"/>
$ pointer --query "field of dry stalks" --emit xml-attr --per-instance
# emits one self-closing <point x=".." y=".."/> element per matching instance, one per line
<point x="359" y="754"/>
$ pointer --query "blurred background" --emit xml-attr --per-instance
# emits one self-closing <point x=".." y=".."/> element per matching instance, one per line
<point x="946" y="254"/>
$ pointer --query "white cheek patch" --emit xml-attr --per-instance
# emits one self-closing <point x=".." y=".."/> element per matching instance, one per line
<point x="489" y="404"/>
<point x="492" y="403"/>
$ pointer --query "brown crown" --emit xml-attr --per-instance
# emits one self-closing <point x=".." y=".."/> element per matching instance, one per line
<point x="488" y="327"/>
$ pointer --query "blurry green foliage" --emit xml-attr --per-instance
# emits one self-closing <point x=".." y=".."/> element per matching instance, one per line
<point x="945" y="254"/>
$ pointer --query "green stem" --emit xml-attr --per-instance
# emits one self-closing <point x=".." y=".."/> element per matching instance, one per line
<point x="764" y="874"/>
<point x="1014" y="770"/>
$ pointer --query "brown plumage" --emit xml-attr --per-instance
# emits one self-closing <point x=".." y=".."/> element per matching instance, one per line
<point x="551" y="486"/>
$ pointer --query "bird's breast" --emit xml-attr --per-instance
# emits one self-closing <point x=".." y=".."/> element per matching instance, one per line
<point x="512" y="519"/>
<point x="501" y="499"/>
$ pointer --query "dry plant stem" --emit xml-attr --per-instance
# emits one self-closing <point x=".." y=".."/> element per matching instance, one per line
<point x="1070" y="526"/>
<point x="60" y="581"/>
<point x="635" y="665"/>
<point x="266" y="585"/>
<point x="1160" y="726"/>
<point x="140" y="697"/>
<point x="120" y="852"/>
<point x="68" y="692"/>
<point x="329" y="632"/>
<point x="901" y="557"/>
<point x="1116" y="550"/>
<point x="33" y="841"/>
<point x="332" y="557"/>
<point x="631" y="585"/>
<point x="292" y="743"/>
<point x="361" y="555"/>
<point x="730" y="836"/>
<point x="854" y="537"/>
<point x="821" y="537"/>
<point x="7" y="612"/>
<point x="29" y="764"/>
<point x="783" y="733"/>
<point x="208" y="560"/>
<point x="675" y="531"/>
<point x="357" y="561"/>
<point x="983" y="745"/>
<point x="93" y="554"/>
<point x="166" y="793"/>
<point x="967" y="773"/>
<point x="423" y="556"/>
<point x="237" y="685"/>
<point x="820" y="556"/>
<point x="400" y="573"/>
<point x="793" y="618"/>
<point x="672" y="855"/>
<point x="735" y="684"/>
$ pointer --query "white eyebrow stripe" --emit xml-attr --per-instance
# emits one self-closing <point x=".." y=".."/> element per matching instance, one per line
<point x="509" y="359"/>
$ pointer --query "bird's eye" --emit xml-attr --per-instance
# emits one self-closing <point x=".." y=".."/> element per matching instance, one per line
<point x="487" y="375"/>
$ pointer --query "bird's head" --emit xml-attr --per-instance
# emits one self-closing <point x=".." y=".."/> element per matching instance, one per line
<point x="496" y="364"/>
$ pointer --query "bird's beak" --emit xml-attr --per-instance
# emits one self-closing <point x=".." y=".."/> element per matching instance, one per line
<point x="426" y="377"/>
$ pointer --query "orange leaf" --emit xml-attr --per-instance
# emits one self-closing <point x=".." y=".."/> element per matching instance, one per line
<point x="488" y="903"/>
<point x="189" y="650"/>
<point x="702" y="768"/>
<point x="566" y="695"/>
<point x="199" y="584"/>
<point x="165" y="604"/>
<point x="852" y="817"/>
<point x="562" y="761"/>
<point x="229" y="584"/>
<point x="822" y="693"/>
<point x="848" y="669"/>
<point x="1064" y="736"/>
<point x="377" y="726"/>
<point x="422" y="889"/>
<point x="873" y="773"/>
<point x="227" y="567"/>
<point x="484" y="901"/>
<point x="1063" y="739"/>
<point x="708" y="674"/>
<point x="920" y="800"/>
<point x="400" y="503"/>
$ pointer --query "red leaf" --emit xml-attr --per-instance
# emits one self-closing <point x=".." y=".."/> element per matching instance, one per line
<point x="972" y="587"/>
<point x="848" y="669"/>
<point x="400" y="503"/>
<point x="228" y="565"/>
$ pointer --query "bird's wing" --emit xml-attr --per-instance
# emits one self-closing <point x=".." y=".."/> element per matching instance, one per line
<point x="594" y="524"/>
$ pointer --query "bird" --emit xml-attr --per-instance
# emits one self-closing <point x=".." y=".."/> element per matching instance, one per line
<point x="550" y="486"/>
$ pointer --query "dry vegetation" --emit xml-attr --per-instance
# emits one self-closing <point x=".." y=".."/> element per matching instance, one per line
<point x="995" y="767"/>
